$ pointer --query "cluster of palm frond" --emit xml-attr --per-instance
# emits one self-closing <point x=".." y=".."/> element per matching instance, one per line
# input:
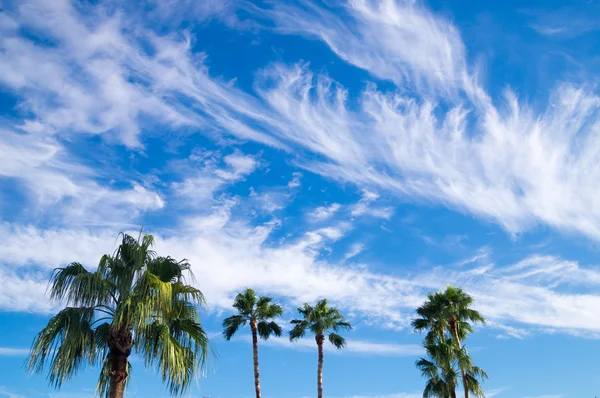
<point x="446" y="317"/>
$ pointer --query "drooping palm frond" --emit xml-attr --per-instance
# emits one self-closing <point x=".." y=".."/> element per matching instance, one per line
<point x="67" y="342"/>
<point x="79" y="287"/>
<point x="337" y="340"/>
<point x="168" y="269"/>
<point x="231" y="325"/>
<point x="299" y="329"/>
<point x="268" y="329"/>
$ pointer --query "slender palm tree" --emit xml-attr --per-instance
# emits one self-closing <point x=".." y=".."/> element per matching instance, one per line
<point x="450" y="311"/>
<point x="134" y="300"/>
<point x="259" y="313"/>
<point x="320" y="320"/>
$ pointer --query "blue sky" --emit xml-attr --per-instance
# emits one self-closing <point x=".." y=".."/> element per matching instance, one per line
<point x="364" y="151"/>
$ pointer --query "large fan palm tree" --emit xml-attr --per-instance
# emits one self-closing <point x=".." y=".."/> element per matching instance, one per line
<point x="450" y="311"/>
<point x="259" y="313"/>
<point x="134" y="300"/>
<point x="320" y="320"/>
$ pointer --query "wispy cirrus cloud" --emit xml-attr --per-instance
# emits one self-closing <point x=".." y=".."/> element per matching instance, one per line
<point x="55" y="180"/>
<point x="353" y="346"/>
<point x="231" y="254"/>
<point x="501" y="160"/>
<point x="9" y="393"/>
<point x="398" y="395"/>
<point x="397" y="40"/>
<point x="548" y="396"/>
<point x="512" y="165"/>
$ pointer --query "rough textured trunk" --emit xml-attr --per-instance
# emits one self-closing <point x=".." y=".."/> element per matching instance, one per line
<point x="255" y="354"/>
<point x="453" y="392"/>
<point x="120" y="343"/>
<point x="320" y="339"/>
<point x="454" y="327"/>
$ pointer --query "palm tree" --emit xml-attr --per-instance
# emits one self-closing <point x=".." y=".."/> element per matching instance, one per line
<point x="259" y="313"/>
<point x="320" y="320"/>
<point x="450" y="311"/>
<point x="133" y="300"/>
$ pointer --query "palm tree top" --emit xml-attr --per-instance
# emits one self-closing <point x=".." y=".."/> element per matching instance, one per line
<point x="320" y="319"/>
<point x="252" y="308"/>
<point x="449" y="305"/>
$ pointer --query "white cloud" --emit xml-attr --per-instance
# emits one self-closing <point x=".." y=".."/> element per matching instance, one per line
<point x="9" y="394"/>
<point x="355" y="250"/>
<point x="52" y="177"/>
<point x="228" y="254"/>
<point x="364" y="207"/>
<point x="24" y="291"/>
<point x="397" y="40"/>
<point x="506" y="162"/>
<point x="13" y="352"/>
<point x="511" y="163"/>
<point x="353" y="346"/>
<point x="323" y="213"/>
<point x="548" y="396"/>
<point x="74" y="244"/>
<point x="398" y="395"/>
<point x="205" y="173"/>
<point x="295" y="181"/>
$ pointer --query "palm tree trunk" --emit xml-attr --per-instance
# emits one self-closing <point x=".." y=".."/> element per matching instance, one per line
<point x="453" y="392"/>
<point x="320" y="339"/>
<point x="120" y="344"/>
<point x="454" y="328"/>
<point x="255" y="354"/>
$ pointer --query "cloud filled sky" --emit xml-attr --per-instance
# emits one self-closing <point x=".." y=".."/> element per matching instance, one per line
<point x="367" y="151"/>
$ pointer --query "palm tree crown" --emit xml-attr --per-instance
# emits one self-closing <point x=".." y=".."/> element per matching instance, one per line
<point x="320" y="320"/>
<point x="133" y="300"/>
<point x="251" y="308"/>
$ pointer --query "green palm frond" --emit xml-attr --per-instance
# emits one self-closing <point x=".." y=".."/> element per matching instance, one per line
<point x="245" y="302"/>
<point x="78" y="287"/>
<point x="268" y="329"/>
<point x="231" y="325"/>
<point x="299" y="329"/>
<point x="269" y="311"/>
<point x="168" y="269"/>
<point x="67" y="342"/>
<point x="337" y="340"/>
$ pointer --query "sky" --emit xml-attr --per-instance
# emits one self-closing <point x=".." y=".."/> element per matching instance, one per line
<point x="364" y="151"/>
